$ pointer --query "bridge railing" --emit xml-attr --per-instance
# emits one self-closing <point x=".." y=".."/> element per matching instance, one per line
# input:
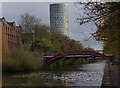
<point x="54" y="52"/>
<point x="59" y="52"/>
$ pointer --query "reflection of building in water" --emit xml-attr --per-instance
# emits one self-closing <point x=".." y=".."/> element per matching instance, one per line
<point x="59" y="17"/>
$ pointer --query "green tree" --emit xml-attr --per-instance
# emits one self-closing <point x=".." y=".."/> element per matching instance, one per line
<point x="41" y="36"/>
<point x="42" y="31"/>
<point x="89" y="49"/>
<point x="42" y="45"/>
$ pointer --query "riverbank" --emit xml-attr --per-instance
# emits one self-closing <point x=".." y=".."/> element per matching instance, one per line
<point x="70" y="64"/>
<point x="90" y="76"/>
<point x="21" y="61"/>
<point x="111" y="76"/>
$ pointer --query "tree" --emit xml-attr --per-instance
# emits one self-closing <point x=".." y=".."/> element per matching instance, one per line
<point x="64" y="43"/>
<point x="88" y="49"/>
<point x="97" y="11"/>
<point x="106" y="17"/>
<point x="27" y="22"/>
<point x="109" y="34"/>
<point x="42" y="36"/>
<point x="41" y="45"/>
<point x="42" y="31"/>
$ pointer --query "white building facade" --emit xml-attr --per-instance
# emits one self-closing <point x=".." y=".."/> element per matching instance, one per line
<point x="59" y="17"/>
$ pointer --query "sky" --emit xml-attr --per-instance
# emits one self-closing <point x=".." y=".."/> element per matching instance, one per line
<point x="12" y="11"/>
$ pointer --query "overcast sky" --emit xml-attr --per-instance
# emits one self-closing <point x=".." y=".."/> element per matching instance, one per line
<point x="12" y="11"/>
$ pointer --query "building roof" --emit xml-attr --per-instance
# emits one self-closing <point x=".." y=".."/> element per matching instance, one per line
<point x="7" y="23"/>
<point x="10" y="23"/>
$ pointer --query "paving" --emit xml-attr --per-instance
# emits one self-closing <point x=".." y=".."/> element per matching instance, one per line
<point x="111" y="76"/>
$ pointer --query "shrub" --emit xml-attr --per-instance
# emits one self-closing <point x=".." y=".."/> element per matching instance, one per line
<point x="22" y="61"/>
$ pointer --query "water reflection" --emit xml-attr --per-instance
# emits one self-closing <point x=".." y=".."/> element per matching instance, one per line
<point x="91" y="75"/>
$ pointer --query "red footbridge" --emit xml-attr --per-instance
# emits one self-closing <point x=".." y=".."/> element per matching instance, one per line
<point x="77" y="55"/>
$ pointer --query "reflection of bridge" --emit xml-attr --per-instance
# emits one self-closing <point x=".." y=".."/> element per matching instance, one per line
<point x="76" y="54"/>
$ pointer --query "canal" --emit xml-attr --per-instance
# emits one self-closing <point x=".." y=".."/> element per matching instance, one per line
<point x="89" y="75"/>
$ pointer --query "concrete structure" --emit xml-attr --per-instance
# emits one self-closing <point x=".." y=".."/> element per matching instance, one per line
<point x="59" y="17"/>
<point x="11" y="32"/>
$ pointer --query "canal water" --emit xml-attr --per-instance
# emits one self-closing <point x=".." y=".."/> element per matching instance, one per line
<point x="90" y="75"/>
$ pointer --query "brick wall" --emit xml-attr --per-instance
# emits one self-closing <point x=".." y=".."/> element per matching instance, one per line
<point x="12" y="33"/>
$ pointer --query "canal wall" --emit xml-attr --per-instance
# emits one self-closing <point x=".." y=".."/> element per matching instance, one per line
<point x="111" y="75"/>
<point x="106" y="77"/>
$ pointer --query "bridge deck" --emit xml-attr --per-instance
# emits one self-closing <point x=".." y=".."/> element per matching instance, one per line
<point x="72" y="56"/>
<point x="77" y="54"/>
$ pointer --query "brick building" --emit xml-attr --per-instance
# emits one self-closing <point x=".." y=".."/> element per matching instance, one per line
<point x="12" y="32"/>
